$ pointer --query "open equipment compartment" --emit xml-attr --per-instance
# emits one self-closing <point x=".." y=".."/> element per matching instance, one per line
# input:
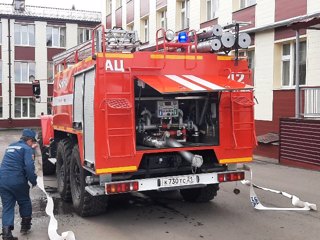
<point x="191" y="119"/>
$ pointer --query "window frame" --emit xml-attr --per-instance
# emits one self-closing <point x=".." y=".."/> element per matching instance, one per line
<point x="1" y="107"/>
<point x="83" y="30"/>
<point x="21" y="72"/>
<point x="29" y="101"/>
<point x="109" y="7"/>
<point x="0" y="33"/>
<point x="146" y="30"/>
<point x="292" y="63"/>
<point x="247" y="3"/>
<point x="214" y="5"/>
<point x="163" y="19"/>
<point x="185" y="14"/>
<point x="21" y="37"/>
<point x="53" y="27"/>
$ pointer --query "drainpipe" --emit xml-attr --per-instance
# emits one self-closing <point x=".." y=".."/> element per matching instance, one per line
<point x="297" y="92"/>
<point x="9" y="65"/>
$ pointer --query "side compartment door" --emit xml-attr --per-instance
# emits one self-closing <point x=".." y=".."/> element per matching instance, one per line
<point x="88" y="116"/>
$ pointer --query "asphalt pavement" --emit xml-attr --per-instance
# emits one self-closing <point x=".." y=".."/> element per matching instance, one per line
<point x="166" y="216"/>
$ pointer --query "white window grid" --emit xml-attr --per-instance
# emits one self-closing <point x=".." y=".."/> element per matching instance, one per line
<point x="49" y="105"/>
<point x="146" y="30"/>
<point x="0" y="71"/>
<point x="84" y="34"/>
<point x="24" y="107"/>
<point x="56" y="36"/>
<point x="247" y="3"/>
<point x="185" y="14"/>
<point x="1" y="107"/>
<point x="212" y="8"/>
<point x="118" y="4"/>
<point x="109" y="7"/>
<point x="288" y="65"/>
<point x="24" y="34"/>
<point x="0" y="32"/>
<point x="23" y="70"/>
<point x="163" y="19"/>
<point x="50" y="72"/>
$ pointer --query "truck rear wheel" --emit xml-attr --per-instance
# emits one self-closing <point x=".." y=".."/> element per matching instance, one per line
<point x="204" y="194"/>
<point x="48" y="168"/>
<point x="64" y="151"/>
<point x="84" y="203"/>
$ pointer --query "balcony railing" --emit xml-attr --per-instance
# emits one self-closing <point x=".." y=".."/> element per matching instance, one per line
<point x="311" y="102"/>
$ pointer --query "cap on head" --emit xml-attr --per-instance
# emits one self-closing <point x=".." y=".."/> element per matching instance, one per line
<point x="29" y="133"/>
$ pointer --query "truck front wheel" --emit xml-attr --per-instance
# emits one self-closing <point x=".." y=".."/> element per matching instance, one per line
<point x="204" y="194"/>
<point x="84" y="204"/>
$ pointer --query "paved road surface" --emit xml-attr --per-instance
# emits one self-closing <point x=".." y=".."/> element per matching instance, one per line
<point x="166" y="216"/>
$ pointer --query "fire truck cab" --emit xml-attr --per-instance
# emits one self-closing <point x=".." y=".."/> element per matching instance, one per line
<point x="126" y="120"/>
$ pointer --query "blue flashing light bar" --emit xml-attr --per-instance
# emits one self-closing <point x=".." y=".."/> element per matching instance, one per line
<point x="182" y="37"/>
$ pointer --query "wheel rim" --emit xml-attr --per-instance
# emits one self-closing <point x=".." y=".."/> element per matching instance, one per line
<point x="76" y="176"/>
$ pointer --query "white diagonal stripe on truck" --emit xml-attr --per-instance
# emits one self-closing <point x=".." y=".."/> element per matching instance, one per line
<point x="185" y="83"/>
<point x="203" y="82"/>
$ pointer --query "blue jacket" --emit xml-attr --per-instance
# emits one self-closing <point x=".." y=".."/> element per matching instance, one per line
<point x="18" y="163"/>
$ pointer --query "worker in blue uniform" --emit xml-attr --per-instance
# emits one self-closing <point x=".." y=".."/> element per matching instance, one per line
<point x="16" y="172"/>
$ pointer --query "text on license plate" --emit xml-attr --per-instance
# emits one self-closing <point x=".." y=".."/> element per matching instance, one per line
<point x="177" y="181"/>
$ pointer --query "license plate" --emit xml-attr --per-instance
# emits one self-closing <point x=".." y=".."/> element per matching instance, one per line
<point x="177" y="181"/>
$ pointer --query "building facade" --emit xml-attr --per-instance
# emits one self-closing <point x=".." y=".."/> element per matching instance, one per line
<point x="29" y="37"/>
<point x="271" y="54"/>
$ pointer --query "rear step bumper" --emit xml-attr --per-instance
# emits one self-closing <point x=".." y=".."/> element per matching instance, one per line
<point x="165" y="183"/>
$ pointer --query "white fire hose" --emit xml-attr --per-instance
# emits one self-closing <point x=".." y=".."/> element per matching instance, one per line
<point x="299" y="204"/>
<point x="53" y="224"/>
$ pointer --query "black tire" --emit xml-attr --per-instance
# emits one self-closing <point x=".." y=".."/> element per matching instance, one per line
<point x="64" y="151"/>
<point x="204" y="194"/>
<point x="84" y="204"/>
<point x="48" y="168"/>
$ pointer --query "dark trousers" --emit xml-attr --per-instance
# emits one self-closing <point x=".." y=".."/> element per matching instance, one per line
<point x="12" y="190"/>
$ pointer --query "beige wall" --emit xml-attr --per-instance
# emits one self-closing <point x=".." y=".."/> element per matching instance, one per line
<point x="313" y="6"/>
<point x="264" y="65"/>
<point x="265" y="10"/>
<point x="41" y="64"/>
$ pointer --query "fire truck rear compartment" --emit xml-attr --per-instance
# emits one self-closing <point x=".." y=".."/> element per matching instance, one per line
<point x="187" y="119"/>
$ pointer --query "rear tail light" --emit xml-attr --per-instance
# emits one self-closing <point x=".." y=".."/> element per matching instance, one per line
<point x="229" y="177"/>
<point x="113" y="188"/>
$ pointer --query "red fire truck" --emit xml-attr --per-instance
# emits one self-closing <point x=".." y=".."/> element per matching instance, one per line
<point x="128" y="120"/>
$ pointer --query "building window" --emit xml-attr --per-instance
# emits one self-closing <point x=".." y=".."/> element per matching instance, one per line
<point x="50" y="72"/>
<point x="0" y="71"/>
<point x="146" y="30"/>
<point x="23" y="70"/>
<point x="49" y="105"/>
<point x="185" y="14"/>
<point x="109" y="7"/>
<point x="56" y="36"/>
<point x="247" y="3"/>
<point x="84" y="34"/>
<point x="288" y="64"/>
<point x="0" y="32"/>
<point x="118" y="3"/>
<point x="130" y="27"/>
<point x="250" y="55"/>
<point x="1" y="108"/>
<point x="24" y="108"/>
<point x="163" y="19"/>
<point x="212" y="8"/>
<point x="24" y="34"/>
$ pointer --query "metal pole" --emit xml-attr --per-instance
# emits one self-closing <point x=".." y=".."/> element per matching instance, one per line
<point x="297" y="101"/>
<point x="10" y="66"/>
